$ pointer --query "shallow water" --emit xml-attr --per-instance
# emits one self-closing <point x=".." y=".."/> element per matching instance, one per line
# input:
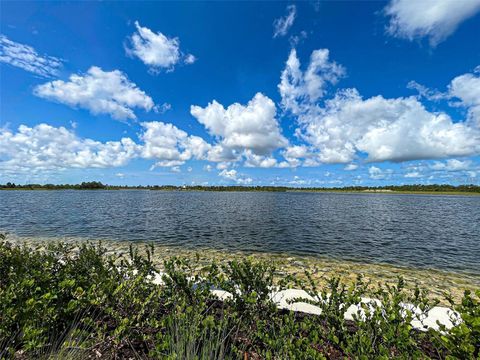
<point x="423" y="231"/>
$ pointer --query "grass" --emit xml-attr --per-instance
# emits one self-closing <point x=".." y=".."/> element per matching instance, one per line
<point x="82" y="301"/>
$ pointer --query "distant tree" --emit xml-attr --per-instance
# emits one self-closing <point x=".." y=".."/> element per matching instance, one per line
<point x="92" y="185"/>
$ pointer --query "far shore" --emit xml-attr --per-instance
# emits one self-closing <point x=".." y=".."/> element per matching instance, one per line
<point x="291" y="190"/>
<point x="431" y="189"/>
<point x="437" y="282"/>
<point x="463" y="193"/>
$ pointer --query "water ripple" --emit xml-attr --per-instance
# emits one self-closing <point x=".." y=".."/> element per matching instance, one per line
<point x="414" y="230"/>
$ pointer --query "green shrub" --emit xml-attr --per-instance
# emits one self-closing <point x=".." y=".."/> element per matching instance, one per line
<point x="463" y="341"/>
<point x="78" y="301"/>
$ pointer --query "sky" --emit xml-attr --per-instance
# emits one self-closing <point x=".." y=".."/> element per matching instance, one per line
<point x="307" y="94"/>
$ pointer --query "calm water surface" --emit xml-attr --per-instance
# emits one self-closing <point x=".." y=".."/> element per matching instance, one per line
<point x="440" y="232"/>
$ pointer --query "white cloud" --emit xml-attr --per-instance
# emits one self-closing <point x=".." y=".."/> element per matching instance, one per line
<point x="238" y="128"/>
<point x="298" y="39"/>
<point x="167" y="163"/>
<point x="387" y="130"/>
<point x="100" y="92"/>
<point x="170" y="145"/>
<point x="434" y="19"/>
<point x="219" y="153"/>
<point x="311" y="162"/>
<point x="234" y="176"/>
<point x="294" y="154"/>
<point x="376" y="173"/>
<point x="283" y="24"/>
<point x="163" y="108"/>
<point x="466" y="88"/>
<point x="223" y="165"/>
<point x="413" y="174"/>
<point x="244" y="181"/>
<point x="396" y="129"/>
<point x="190" y="59"/>
<point x="429" y="94"/>
<point x="351" y="167"/>
<point x="298" y="181"/>
<point x="27" y="58"/>
<point x="156" y="50"/>
<point x="298" y="89"/>
<point x="47" y="148"/>
<point x="228" y="174"/>
<point x="463" y="91"/>
<point x="252" y="160"/>
<point x="452" y="165"/>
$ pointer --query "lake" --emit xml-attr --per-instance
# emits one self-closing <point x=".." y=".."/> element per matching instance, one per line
<point x="421" y="231"/>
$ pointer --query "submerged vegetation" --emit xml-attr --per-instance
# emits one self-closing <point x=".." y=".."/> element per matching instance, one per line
<point x="81" y="301"/>
<point x="96" y="185"/>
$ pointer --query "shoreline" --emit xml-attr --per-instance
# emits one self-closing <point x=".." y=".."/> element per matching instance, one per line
<point x="243" y="299"/>
<point x="336" y="191"/>
<point x="438" y="282"/>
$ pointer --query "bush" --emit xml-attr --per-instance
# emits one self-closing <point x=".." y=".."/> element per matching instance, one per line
<point x="463" y="341"/>
<point x="80" y="301"/>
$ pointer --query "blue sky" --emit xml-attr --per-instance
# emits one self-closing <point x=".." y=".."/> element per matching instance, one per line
<point x="253" y="93"/>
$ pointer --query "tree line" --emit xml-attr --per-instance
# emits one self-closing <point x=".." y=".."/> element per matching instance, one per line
<point x="97" y="185"/>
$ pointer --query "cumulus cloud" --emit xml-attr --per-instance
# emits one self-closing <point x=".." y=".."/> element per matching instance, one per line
<point x="228" y="174"/>
<point x="190" y="59"/>
<point x="170" y="145"/>
<point x="351" y="167"/>
<point x="452" y="165"/>
<point x="234" y="176"/>
<point x="238" y="128"/>
<point x="27" y="58"/>
<point x="223" y="165"/>
<point x="413" y="174"/>
<point x="244" y="180"/>
<point x="466" y="88"/>
<point x="295" y="155"/>
<point x="434" y="19"/>
<point x="156" y="50"/>
<point x="296" y="152"/>
<point x="386" y="130"/>
<point x="463" y="91"/>
<point x="298" y="181"/>
<point x="252" y="160"/>
<point x="100" y="92"/>
<point x="299" y="89"/>
<point x="340" y="128"/>
<point x="283" y="24"/>
<point x="376" y="173"/>
<point x="47" y="148"/>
